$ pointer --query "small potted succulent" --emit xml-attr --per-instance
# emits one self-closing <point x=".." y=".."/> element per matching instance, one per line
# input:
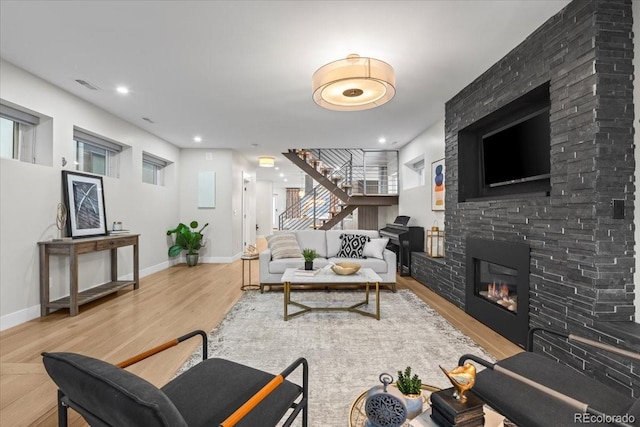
<point x="309" y="255"/>
<point x="411" y="387"/>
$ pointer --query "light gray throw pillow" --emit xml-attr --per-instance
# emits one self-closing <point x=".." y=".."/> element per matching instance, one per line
<point x="284" y="245"/>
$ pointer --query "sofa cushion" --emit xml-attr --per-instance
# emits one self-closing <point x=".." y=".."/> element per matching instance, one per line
<point x="352" y="245"/>
<point x="313" y="239"/>
<point x="333" y="239"/>
<point x="284" y="245"/>
<point x="374" y="248"/>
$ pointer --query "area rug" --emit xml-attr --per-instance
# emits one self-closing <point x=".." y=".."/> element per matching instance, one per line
<point x="346" y="351"/>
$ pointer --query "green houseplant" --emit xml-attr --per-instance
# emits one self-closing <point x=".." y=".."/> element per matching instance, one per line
<point x="309" y="255"/>
<point x="188" y="239"/>
<point x="411" y="387"/>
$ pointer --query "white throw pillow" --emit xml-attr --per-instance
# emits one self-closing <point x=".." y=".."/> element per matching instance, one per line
<point x="375" y="248"/>
<point x="284" y="245"/>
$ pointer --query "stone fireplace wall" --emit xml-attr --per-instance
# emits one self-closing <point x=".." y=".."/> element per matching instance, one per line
<point x="582" y="259"/>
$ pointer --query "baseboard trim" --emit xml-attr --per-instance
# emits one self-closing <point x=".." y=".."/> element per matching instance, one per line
<point x="21" y="316"/>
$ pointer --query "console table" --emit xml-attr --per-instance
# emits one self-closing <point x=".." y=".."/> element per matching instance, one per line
<point x="73" y="248"/>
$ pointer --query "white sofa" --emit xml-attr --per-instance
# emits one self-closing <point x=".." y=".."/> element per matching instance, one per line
<point x="327" y="244"/>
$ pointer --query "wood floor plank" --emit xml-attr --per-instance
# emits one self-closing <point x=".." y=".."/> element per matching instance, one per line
<point x="168" y="304"/>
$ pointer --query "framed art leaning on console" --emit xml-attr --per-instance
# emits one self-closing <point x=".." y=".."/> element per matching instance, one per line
<point x="84" y="197"/>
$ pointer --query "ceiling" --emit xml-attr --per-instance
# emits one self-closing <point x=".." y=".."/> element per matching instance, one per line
<point x="238" y="73"/>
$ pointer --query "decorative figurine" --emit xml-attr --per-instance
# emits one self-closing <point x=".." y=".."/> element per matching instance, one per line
<point x="463" y="378"/>
<point x="385" y="406"/>
<point x="61" y="220"/>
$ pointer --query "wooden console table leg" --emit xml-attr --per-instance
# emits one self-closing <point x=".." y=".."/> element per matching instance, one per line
<point x="44" y="281"/>
<point x="73" y="282"/>
<point x="136" y="265"/>
<point x="114" y="264"/>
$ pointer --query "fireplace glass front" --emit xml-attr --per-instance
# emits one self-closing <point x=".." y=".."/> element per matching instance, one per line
<point x="498" y="284"/>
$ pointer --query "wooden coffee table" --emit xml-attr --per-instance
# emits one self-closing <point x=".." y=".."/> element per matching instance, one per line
<point x="332" y="280"/>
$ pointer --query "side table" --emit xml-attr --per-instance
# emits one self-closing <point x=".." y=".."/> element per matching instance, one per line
<point x="358" y="417"/>
<point x="248" y="286"/>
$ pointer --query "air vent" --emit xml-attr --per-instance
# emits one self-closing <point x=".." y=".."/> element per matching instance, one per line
<point x="147" y="119"/>
<point x="86" y="84"/>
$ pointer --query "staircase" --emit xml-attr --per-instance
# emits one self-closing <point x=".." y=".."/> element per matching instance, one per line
<point x="347" y="179"/>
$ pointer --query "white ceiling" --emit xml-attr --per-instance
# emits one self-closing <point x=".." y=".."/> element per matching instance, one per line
<point x="238" y="73"/>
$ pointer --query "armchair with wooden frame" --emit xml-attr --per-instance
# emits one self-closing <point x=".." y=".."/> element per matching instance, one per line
<point x="534" y="390"/>
<point x="214" y="392"/>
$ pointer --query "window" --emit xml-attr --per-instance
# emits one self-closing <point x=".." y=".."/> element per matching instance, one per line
<point x="414" y="173"/>
<point x="96" y="154"/>
<point x="18" y="134"/>
<point x="153" y="169"/>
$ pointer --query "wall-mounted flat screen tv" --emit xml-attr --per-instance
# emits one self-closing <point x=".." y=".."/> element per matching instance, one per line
<point x="518" y="152"/>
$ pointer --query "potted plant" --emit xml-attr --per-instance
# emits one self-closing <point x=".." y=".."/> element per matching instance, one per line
<point x="188" y="239"/>
<point x="411" y="387"/>
<point x="309" y="255"/>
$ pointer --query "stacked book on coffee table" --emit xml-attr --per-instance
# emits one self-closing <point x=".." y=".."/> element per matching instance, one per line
<point x="447" y="411"/>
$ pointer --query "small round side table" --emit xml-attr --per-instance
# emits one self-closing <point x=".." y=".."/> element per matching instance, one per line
<point x="248" y="286"/>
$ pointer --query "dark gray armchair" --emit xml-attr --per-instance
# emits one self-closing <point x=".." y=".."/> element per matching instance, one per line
<point x="533" y="390"/>
<point x="215" y="392"/>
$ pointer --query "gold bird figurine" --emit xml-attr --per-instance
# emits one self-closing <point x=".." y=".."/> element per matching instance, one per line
<point x="463" y="378"/>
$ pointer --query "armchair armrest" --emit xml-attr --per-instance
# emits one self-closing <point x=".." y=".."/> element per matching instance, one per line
<point x="576" y="338"/>
<point x="155" y="350"/>
<point x="243" y="410"/>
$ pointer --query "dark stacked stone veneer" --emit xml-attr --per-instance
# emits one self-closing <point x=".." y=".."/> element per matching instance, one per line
<point x="582" y="260"/>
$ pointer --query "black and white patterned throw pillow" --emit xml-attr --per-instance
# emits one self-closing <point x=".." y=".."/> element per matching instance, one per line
<point x="352" y="245"/>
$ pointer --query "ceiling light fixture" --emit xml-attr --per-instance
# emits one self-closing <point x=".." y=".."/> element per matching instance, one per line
<point x="353" y="84"/>
<point x="197" y="139"/>
<point x="123" y="90"/>
<point x="266" y="161"/>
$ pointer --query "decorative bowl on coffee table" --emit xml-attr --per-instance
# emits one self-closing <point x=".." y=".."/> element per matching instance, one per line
<point x="345" y="268"/>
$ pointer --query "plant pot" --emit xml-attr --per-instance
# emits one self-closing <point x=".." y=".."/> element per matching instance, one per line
<point x="414" y="405"/>
<point x="308" y="265"/>
<point x="192" y="259"/>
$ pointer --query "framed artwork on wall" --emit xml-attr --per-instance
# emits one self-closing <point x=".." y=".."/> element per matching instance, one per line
<point x="84" y="198"/>
<point x="206" y="190"/>
<point x="437" y="185"/>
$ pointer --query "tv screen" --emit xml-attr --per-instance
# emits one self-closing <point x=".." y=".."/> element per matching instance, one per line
<point x="518" y="152"/>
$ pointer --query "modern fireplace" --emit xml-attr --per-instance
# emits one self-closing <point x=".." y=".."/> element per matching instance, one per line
<point x="497" y="286"/>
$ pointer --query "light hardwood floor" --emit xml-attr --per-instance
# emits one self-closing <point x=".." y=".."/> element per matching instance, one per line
<point x="168" y="304"/>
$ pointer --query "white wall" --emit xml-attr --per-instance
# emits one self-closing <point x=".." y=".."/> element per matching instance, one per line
<point x="416" y="202"/>
<point x="30" y="193"/>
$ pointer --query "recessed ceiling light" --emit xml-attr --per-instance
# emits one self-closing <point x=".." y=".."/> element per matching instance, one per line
<point x="123" y="90"/>
<point x="382" y="140"/>
<point x="197" y="139"/>
<point x="277" y="168"/>
<point x="281" y="175"/>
